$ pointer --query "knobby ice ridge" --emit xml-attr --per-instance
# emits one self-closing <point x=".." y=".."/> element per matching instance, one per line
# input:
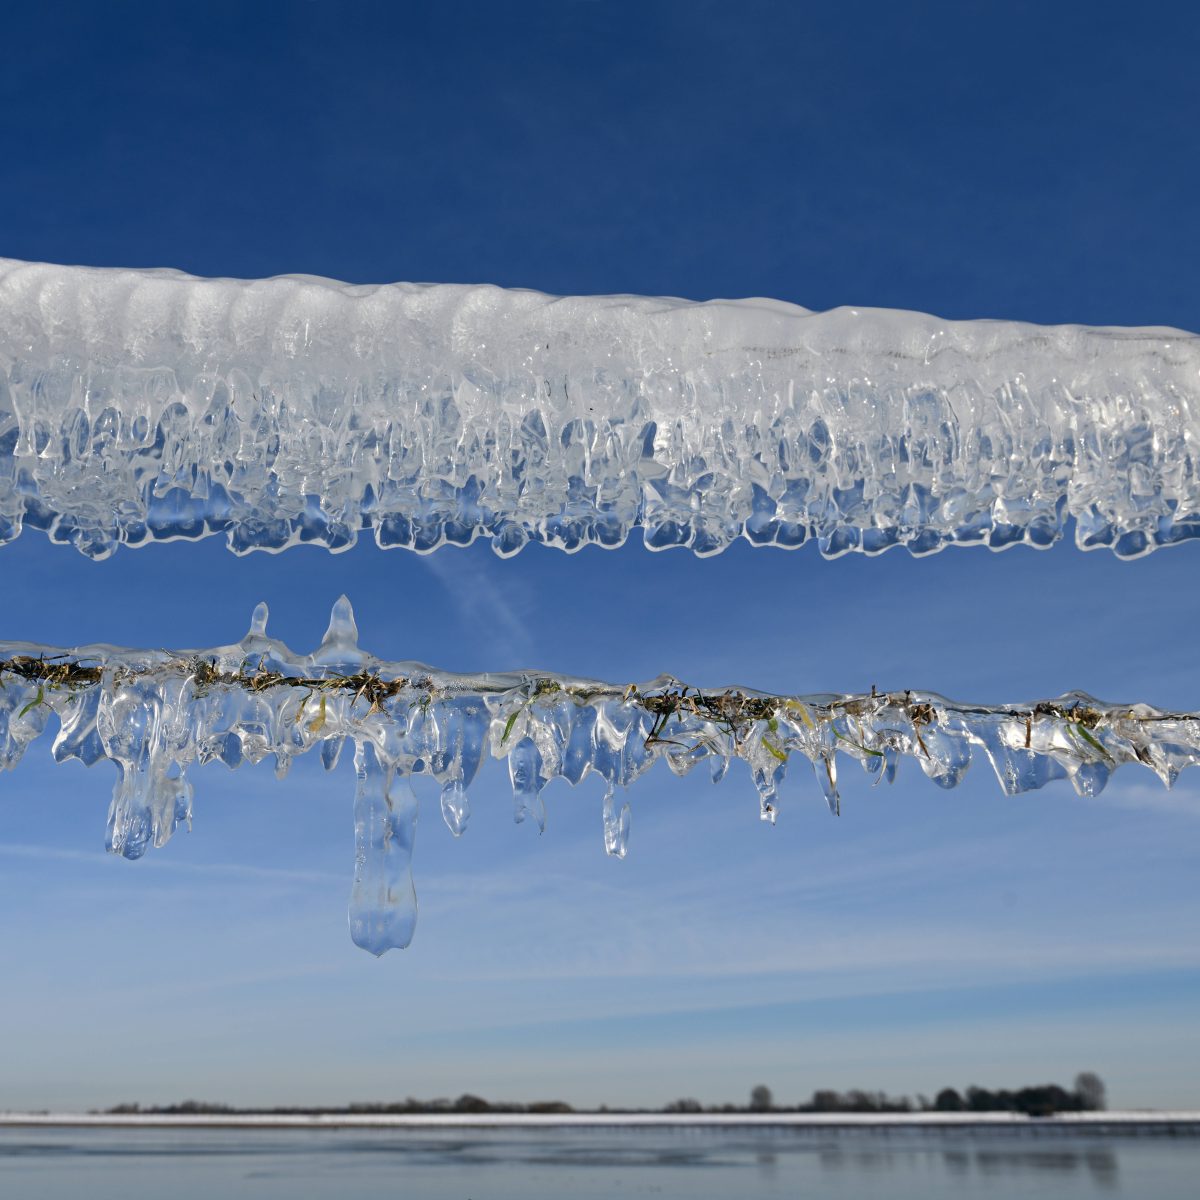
<point x="144" y="405"/>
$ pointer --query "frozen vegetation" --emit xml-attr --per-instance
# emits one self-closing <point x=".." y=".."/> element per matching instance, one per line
<point x="155" y="713"/>
<point x="144" y="405"/>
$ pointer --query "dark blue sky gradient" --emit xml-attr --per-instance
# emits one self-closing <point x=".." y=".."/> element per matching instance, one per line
<point x="1034" y="161"/>
<point x="1023" y="160"/>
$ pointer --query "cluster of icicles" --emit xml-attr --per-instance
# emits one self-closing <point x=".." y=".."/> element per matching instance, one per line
<point x="148" y="405"/>
<point x="155" y="713"/>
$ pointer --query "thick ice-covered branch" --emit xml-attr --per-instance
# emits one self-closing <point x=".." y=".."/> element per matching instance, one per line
<point x="139" y="405"/>
<point x="156" y="713"/>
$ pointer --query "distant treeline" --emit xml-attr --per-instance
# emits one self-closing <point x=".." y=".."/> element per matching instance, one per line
<point x="1039" y="1100"/>
<point x="466" y="1103"/>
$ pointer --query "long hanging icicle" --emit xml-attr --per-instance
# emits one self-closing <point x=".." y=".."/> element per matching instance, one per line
<point x="383" y="902"/>
<point x="154" y="713"/>
<point x="145" y="405"/>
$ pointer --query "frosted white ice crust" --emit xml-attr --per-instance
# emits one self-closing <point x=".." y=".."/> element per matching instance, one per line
<point x="156" y="713"/>
<point x="144" y="405"/>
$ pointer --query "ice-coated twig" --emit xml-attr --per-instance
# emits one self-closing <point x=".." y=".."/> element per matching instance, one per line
<point x="155" y="713"/>
<point x="145" y="405"/>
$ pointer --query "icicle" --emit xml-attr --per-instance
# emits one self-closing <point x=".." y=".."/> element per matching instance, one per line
<point x="456" y="808"/>
<point x="135" y="723"/>
<point x="130" y="825"/>
<point x="766" y="797"/>
<point x="616" y="826"/>
<point x="768" y="763"/>
<point x="944" y="756"/>
<point x="331" y="751"/>
<point x="23" y="713"/>
<point x="825" y="769"/>
<point x="383" y="902"/>
<point x="77" y="737"/>
<point x="525" y="772"/>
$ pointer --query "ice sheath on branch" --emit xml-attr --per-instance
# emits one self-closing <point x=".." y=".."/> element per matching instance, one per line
<point x="155" y="713"/>
<point x="144" y="405"/>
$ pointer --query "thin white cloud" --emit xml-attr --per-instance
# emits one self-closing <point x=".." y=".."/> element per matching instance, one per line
<point x="484" y="605"/>
<point x="166" y="865"/>
<point x="1183" y="800"/>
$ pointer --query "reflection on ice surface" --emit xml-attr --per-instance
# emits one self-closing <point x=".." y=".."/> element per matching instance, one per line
<point x="515" y="1164"/>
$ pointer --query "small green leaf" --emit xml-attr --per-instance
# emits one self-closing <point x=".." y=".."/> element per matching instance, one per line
<point x="38" y="699"/>
<point x="858" y="746"/>
<point x="773" y="725"/>
<point x="1092" y="741"/>
<point x="512" y="720"/>
<point x="775" y="750"/>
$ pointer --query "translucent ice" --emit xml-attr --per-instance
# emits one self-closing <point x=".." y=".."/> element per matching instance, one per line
<point x="383" y="903"/>
<point x="155" y="713"/>
<point x="142" y="405"/>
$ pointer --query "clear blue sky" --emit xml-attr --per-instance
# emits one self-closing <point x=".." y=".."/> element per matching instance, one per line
<point x="1016" y="160"/>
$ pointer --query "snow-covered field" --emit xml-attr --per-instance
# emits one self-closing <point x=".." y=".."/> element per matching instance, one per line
<point x="1175" y="1122"/>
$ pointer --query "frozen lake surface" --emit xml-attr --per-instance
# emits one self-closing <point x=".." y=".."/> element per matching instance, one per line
<point x="531" y="1163"/>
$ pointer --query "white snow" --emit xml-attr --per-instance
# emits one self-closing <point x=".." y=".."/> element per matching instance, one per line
<point x="1183" y="1121"/>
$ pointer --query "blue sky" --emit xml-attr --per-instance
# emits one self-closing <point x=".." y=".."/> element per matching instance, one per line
<point x="971" y="160"/>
